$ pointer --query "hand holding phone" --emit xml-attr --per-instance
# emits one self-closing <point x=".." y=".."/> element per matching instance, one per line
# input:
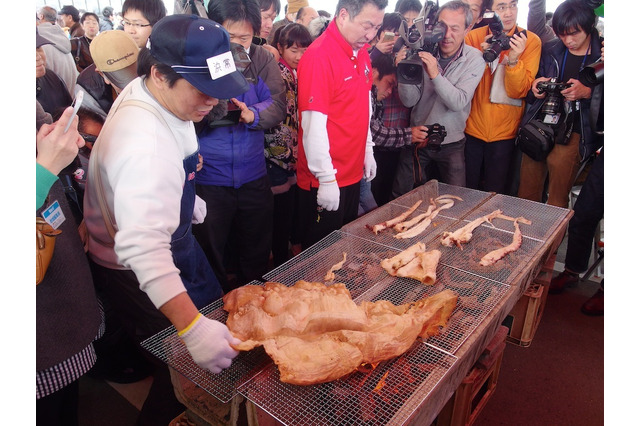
<point x="77" y="102"/>
<point x="388" y="36"/>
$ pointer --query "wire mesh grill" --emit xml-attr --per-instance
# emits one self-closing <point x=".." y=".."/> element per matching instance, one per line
<point x="168" y="347"/>
<point x="545" y="219"/>
<point x="360" y="271"/>
<point x="392" y="391"/>
<point x="471" y="198"/>
<point x="484" y="240"/>
<point x="476" y="298"/>
<point x="444" y="219"/>
<point x="366" y="280"/>
<point x="370" y="397"/>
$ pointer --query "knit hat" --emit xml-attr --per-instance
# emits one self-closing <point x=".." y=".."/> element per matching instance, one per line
<point x="115" y="54"/>
<point x="198" y="49"/>
<point x="295" y="5"/>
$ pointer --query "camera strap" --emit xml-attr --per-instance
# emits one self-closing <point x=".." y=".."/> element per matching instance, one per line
<point x="564" y="61"/>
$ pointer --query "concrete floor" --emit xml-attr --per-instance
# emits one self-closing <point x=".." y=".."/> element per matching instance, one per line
<point x="557" y="380"/>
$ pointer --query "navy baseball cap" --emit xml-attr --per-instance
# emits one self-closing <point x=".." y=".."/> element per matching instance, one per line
<point x="198" y="49"/>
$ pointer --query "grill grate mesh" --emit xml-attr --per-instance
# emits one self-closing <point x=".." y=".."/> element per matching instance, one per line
<point x="444" y="219"/>
<point x="168" y="347"/>
<point x="353" y="399"/>
<point x="410" y="378"/>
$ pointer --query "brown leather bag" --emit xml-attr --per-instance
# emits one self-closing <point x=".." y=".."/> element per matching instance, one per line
<point x="45" y="243"/>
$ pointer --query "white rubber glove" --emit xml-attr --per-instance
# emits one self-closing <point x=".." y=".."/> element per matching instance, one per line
<point x="370" y="165"/>
<point x="329" y="194"/>
<point x="208" y="342"/>
<point x="199" y="211"/>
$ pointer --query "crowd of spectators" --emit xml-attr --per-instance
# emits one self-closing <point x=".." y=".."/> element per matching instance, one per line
<point x="285" y="132"/>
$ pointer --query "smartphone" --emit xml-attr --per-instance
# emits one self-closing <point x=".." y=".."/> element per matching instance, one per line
<point x="388" y="36"/>
<point x="77" y="102"/>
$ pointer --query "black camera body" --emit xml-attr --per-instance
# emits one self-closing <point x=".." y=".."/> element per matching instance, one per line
<point x="435" y="136"/>
<point x="423" y="36"/>
<point x="552" y="86"/>
<point x="499" y="41"/>
<point x="554" y="101"/>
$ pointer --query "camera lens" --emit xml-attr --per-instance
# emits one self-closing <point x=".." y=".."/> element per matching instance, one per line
<point x="490" y="54"/>
<point x="411" y="72"/>
<point x="553" y="104"/>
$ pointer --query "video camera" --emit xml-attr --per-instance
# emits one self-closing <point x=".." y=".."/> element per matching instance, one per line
<point x="423" y="36"/>
<point x="499" y="41"/>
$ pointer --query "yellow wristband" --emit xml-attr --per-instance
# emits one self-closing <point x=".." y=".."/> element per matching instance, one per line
<point x="181" y="333"/>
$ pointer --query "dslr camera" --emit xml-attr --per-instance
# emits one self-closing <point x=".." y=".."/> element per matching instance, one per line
<point x="435" y="136"/>
<point x="553" y="104"/>
<point x="423" y="36"/>
<point x="499" y="41"/>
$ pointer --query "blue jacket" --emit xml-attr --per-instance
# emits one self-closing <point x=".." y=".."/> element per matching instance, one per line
<point x="234" y="155"/>
<point x="550" y="60"/>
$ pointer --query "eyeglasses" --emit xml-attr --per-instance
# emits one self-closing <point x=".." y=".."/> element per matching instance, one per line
<point x="135" y="26"/>
<point x="88" y="138"/>
<point x="504" y="7"/>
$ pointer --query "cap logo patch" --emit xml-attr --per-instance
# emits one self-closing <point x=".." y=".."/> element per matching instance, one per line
<point x="113" y="61"/>
<point x="221" y="65"/>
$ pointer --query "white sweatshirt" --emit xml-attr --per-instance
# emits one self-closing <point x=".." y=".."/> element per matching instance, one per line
<point x="141" y="167"/>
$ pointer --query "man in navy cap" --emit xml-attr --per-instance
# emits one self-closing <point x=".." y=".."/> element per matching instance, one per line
<point x="140" y="199"/>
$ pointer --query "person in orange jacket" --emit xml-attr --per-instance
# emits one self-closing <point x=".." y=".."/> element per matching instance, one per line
<point x="497" y="105"/>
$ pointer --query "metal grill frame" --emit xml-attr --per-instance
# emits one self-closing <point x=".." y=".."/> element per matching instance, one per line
<point x="252" y="374"/>
<point x="168" y="347"/>
<point x="314" y="405"/>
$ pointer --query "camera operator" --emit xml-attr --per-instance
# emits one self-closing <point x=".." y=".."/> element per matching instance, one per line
<point x="493" y="121"/>
<point x="578" y="45"/>
<point x="449" y="80"/>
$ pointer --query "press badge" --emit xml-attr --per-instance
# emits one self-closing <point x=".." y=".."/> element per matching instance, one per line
<point x="53" y="215"/>
<point x="551" y="119"/>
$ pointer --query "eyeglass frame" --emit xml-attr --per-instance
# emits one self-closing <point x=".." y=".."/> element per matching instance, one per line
<point x="88" y="138"/>
<point x="504" y="8"/>
<point x="126" y="23"/>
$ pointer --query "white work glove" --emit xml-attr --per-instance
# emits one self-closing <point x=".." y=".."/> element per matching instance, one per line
<point x="370" y="165"/>
<point x="199" y="211"/>
<point x="208" y="342"/>
<point x="328" y="193"/>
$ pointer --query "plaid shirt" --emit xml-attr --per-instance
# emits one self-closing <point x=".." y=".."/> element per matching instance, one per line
<point x="395" y="114"/>
<point x="383" y="136"/>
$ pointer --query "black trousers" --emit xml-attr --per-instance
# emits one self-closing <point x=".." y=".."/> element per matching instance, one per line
<point x="315" y="225"/>
<point x="284" y="210"/>
<point x="140" y="320"/>
<point x="588" y="211"/>
<point x="59" y="408"/>
<point x="387" y="163"/>
<point x="237" y="230"/>
<point x="488" y="164"/>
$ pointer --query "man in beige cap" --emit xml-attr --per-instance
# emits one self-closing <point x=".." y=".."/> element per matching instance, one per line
<point x="291" y="10"/>
<point x="115" y="56"/>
